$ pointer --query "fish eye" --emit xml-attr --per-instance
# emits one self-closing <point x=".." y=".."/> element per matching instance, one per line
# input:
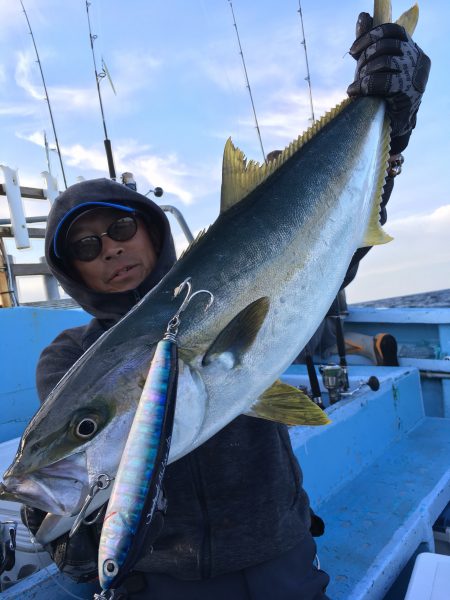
<point x="86" y="428"/>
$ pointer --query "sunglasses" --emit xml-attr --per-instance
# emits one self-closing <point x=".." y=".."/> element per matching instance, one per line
<point x="89" y="247"/>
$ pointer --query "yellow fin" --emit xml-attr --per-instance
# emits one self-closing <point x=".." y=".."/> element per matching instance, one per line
<point x="240" y="178"/>
<point x="286" y="404"/>
<point x="375" y="234"/>
<point x="382" y="13"/>
<point x="409" y="19"/>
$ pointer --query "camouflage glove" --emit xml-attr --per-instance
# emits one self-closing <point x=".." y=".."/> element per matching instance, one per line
<point x="77" y="556"/>
<point x="391" y="65"/>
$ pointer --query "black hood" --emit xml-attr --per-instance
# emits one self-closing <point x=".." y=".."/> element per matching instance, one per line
<point x="108" y="306"/>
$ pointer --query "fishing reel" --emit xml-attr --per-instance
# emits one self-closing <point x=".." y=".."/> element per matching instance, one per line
<point x="8" y="531"/>
<point x="335" y="380"/>
<point x="129" y="181"/>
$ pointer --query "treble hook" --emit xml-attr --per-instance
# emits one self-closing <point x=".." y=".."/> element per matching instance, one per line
<point x="102" y="482"/>
<point x="172" y="327"/>
<point x="107" y="594"/>
<point x="189" y="296"/>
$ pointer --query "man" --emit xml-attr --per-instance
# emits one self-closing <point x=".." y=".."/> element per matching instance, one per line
<point x="238" y="520"/>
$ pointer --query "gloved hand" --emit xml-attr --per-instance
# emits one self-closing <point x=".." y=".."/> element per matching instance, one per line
<point x="75" y="556"/>
<point x="391" y="65"/>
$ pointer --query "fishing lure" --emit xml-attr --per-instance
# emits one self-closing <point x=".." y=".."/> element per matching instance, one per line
<point x="136" y="497"/>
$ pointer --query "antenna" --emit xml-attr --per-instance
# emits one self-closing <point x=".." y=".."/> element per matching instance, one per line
<point x="308" y="77"/>
<point x="98" y="77"/>
<point x="46" y="95"/>
<point x="248" y="82"/>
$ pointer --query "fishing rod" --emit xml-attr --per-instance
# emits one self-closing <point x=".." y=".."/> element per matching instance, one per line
<point x="46" y="95"/>
<point x="248" y="82"/>
<point x="308" y="76"/>
<point x="98" y="77"/>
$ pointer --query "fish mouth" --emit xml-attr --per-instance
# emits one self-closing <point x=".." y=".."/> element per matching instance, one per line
<point x="59" y="488"/>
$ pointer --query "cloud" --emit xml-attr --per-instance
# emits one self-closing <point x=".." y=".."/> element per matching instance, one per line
<point x="288" y="116"/>
<point x="131" y="71"/>
<point x="36" y="138"/>
<point x="187" y="181"/>
<point x="418" y="259"/>
<point x="84" y="158"/>
<point x="23" y="75"/>
<point x="279" y="89"/>
<point x="283" y="117"/>
<point x="167" y="171"/>
<point x="73" y="99"/>
<point x="68" y="98"/>
<point x="17" y="110"/>
<point x="277" y="62"/>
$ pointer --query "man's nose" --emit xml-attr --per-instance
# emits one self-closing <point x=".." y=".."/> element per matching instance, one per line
<point x="111" y="248"/>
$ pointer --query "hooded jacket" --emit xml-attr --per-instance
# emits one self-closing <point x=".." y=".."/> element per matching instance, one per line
<point x="235" y="501"/>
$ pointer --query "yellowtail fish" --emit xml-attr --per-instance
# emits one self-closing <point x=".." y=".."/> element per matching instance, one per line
<point x="274" y="261"/>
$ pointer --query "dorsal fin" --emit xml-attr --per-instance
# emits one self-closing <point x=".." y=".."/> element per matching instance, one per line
<point x="199" y="236"/>
<point x="240" y="177"/>
<point x="375" y="234"/>
<point x="382" y="13"/>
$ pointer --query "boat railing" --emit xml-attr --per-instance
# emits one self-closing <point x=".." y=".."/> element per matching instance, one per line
<point x="22" y="229"/>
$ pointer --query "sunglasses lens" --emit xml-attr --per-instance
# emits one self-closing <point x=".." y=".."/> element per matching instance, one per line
<point x="89" y="247"/>
<point x="86" y="249"/>
<point x="123" y="229"/>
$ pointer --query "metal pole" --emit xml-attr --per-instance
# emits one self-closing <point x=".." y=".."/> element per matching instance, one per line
<point x="181" y="220"/>
<point x="50" y="284"/>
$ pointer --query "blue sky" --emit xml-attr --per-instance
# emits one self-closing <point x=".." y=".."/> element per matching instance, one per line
<point x="181" y="93"/>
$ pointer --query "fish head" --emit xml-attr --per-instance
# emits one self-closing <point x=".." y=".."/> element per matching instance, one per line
<point x="68" y="444"/>
<point x="76" y="438"/>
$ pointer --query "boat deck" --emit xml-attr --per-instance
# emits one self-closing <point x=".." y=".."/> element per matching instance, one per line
<point x="379" y="476"/>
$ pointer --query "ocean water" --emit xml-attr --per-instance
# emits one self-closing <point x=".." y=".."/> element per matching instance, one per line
<point x="436" y="299"/>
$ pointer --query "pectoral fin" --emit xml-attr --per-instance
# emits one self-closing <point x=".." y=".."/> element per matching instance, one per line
<point x="286" y="404"/>
<point x="239" y="335"/>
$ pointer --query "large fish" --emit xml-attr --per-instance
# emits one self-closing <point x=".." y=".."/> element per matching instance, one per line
<point x="274" y="261"/>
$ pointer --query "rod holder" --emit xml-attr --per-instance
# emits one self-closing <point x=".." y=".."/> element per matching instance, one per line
<point x="16" y="209"/>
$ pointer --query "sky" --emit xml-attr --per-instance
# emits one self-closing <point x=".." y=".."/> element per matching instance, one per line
<point x="181" y="92"/>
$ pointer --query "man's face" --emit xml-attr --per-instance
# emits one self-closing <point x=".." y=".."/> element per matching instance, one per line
<point x="120" y="266"/>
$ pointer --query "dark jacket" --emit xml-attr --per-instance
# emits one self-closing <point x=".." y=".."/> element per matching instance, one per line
<point x="235" y="501"/>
